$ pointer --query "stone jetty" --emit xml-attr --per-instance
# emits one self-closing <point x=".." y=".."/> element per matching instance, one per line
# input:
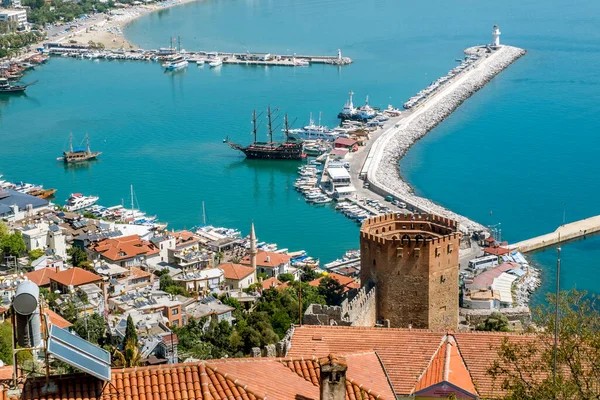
<point x="384" y="172"/>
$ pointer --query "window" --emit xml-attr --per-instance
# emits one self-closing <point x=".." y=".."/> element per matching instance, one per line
<point x="174" y="311"/>
<point x="176" y="323"/>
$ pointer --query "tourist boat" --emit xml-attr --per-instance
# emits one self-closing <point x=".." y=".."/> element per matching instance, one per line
<point x="6" y="87"/>
<point x="300" y="63"/>
<point x="42" y="193"/>
<point x="175" y="63"/>
<point x="78" y="154"/>
<point x="312" y="131"/>
<point x="77" y="201"/>
<point x="200" y="62"/>
<point x="217" y="62"/>
<point x="288" y="150"/>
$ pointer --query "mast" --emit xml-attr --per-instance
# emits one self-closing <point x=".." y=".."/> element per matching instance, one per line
<point x="254" y="124"/>
<point x="131" y="186"/>
<point x="87" y="139"/>
<point x="286" y="128"/>
<point x="70" y="142"/>
<point x="179" y="43"/>
<point x="270" y="125"/>
<point x="203" y="214"/>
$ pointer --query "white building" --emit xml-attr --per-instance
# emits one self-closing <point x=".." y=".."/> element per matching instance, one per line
<point x="19" y="17"/>
<point x="43" y="236"/>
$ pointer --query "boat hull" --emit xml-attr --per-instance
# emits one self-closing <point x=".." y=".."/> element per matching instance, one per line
<point x="274" y="151"/>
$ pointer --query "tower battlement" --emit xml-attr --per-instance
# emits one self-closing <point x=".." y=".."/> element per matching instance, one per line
<point x="413" y="261"/>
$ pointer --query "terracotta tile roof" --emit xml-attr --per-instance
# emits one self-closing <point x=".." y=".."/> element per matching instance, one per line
<point x="41" y="277"/>
<point x="235" y="271"/>
<point x="346" y="281"/>
<point x="270" y="283"/>
<point x="406" y="354"/>
<point x="76" y="277"/>
<point x="496" y="251"/>
<point x="447" y="366"/>
<point x="56" y="319"/>
<point x="137" y="273"/>
<point x="124" y="247"/>
<point x="225" y="379"/>
<point x="363" y="375"/>
<point x="6" y="372"/>
<point x="267" y="259"/>
<point x="486" y="278"/>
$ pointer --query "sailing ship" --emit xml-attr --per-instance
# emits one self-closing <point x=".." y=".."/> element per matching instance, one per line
<point x="6" y="87"/>
<point x="288" y="150"/>
<point x="78" y="154"/>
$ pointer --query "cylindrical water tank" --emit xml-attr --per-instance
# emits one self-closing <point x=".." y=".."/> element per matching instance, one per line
<point x="29" y="332"/>
<point x="26" y="298"/>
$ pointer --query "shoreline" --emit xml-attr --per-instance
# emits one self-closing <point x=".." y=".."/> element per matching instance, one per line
<point x="384" y="173"/>
<point x="110" y="31"/>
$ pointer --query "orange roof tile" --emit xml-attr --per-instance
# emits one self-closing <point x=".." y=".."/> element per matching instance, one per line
<point x="225" y="379"/>
<point x="76" y="277"/>
<point x="124" y="247"/>
<point x="267" y="259"/>
<point x="6" y="372"/>
<point x="447" y="366"/>
<point x="407" y="353"/>
<point x="137" y="273"/>
<point x="270" y="283"/>
<point x="346" y="281"/>
<point x="496" y="251"/>
<point x="235" y="271"/>
<point x="56" y="319"/>
<point x="41" y="277"/>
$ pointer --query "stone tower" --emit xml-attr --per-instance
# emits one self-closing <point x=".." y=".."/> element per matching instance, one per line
<point x="253" y="249"/>
<point x="413" y="262"/>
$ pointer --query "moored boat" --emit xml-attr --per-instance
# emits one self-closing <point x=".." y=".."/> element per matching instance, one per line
<point x="78" y="154"/>
<point x="77" y="201"/>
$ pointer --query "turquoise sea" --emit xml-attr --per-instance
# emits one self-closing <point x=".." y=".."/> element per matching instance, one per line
<point x="512" y="154"/>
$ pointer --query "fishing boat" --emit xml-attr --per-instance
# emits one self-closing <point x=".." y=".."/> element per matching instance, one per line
<point x="78" y="154"/>
<point x="77" y="201"/>
<point x="288" y="150"/>
<point x="363" y="114"/>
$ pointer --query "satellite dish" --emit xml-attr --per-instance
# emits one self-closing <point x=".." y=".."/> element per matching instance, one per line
<point x="26" y="298"/>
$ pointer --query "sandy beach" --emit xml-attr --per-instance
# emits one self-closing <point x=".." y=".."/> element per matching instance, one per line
<point x="109" y="30"/>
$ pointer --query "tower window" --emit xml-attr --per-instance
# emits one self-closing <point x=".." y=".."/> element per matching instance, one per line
<point x="417" y="252"/>
<point x="374" y="263"/>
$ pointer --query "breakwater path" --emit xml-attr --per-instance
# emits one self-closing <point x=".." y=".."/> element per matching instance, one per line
<point x="381" y="167"/>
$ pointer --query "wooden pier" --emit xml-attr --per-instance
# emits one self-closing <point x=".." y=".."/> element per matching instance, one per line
<point x="564" y="233"/>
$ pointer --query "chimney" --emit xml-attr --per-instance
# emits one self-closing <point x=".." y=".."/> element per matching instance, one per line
<point x="333" y="377"/>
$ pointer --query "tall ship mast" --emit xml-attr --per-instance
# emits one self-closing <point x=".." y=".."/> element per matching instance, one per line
<point x="79" y="154"/>
<point x="287" y="150"/>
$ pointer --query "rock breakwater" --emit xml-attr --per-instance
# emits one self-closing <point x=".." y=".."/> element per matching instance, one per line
<point x="384" y="171"/>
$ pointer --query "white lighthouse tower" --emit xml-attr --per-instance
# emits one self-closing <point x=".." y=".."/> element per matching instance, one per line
<point x="496" y="36"/>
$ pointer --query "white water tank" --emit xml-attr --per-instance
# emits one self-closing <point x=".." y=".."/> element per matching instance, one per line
<point x="496" y="36"/>
<point x="25" y="304"/>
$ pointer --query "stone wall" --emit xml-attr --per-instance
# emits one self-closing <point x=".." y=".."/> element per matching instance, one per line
<point x="474" y="317"/>
<point x="359" y="311"/>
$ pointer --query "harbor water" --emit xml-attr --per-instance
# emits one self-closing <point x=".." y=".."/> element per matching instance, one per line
<point x="514" y="153"/>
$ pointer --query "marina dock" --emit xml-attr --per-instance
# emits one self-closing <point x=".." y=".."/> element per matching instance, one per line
<point x="247" y="58"/>
<point x="568" y="232"/>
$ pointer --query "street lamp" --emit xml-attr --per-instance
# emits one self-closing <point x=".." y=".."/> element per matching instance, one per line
<point x="557" y="316"/>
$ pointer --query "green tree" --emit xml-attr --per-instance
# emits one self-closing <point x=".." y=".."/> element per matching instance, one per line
<point x="6" y="343"/>
<point x="35" y="254"/>
<point x="496" y="322"/>
<point x="309" y="274"/>
<point x="13" y="244"/>
<point x="286" y="277"/>
<point x="332" y="291"/>
<point x="524" y="368"/>
<point x="91" y="328"/>
<point x="78" y="257"/>
<point x="3" y="230"/>
<point x="130" y="333"/>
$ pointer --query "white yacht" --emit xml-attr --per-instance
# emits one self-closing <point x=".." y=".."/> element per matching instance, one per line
<point x="312" y="131"/>
<point x="217" y="62"/>
<point x="175" y="63"/>
<point x="77" y="201"/>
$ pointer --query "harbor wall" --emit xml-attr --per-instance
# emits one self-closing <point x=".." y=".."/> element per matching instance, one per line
<point x="564" y="233"/>
<point x="383" y="172"/>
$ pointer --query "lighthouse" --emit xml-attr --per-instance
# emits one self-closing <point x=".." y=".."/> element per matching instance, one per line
<point x="496" y="36"/>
